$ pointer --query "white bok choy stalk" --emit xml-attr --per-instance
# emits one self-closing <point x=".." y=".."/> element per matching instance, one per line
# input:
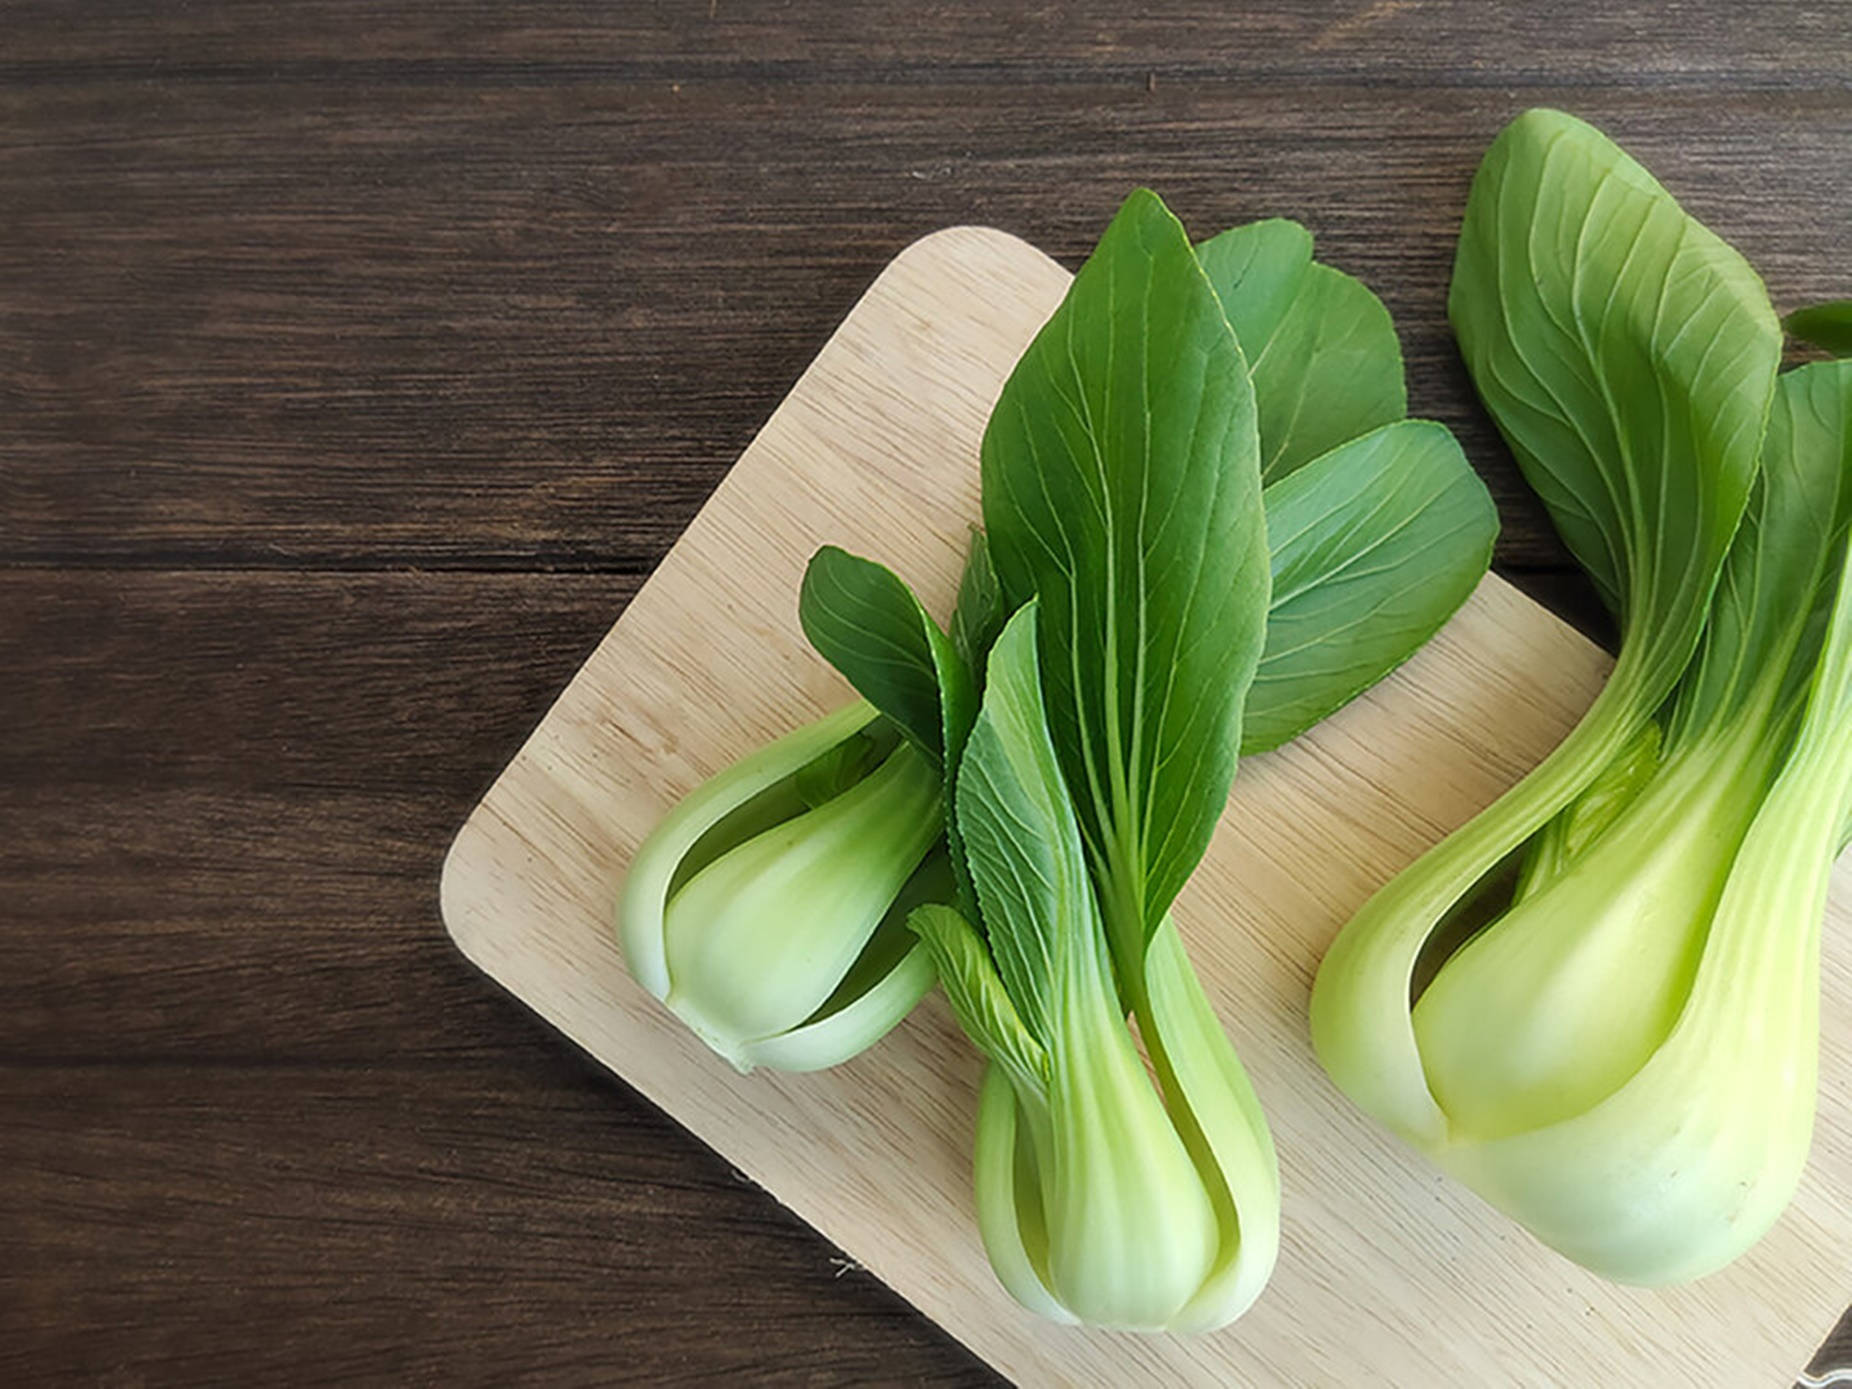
<point x="1621" y="1054"/>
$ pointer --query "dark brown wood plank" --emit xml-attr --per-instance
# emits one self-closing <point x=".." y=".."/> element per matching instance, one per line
<point x="522" y="1221"/>
<point x="218" y="924"/>
<point x="225" y="799"/>
<point x="1584" y="42"/>
<point x="360" y="320"/>
<point x="277" y="681"/>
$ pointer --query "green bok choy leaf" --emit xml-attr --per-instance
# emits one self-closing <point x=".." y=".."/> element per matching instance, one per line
<point x="1377" y="525"/>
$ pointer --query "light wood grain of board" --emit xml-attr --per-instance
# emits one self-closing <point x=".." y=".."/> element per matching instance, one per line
<point x="1389" y="1274"/>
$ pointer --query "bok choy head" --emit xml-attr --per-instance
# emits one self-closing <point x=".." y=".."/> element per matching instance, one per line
<point x="1121" y="487"/>
<point x="1621" y="1052"/>
<point x="768" y="908"/>
<point x="1166" y="516"/>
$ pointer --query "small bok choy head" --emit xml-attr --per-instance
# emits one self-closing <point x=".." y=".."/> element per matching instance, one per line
<point x="1134" y="471"/>
<point x="768" y="908"/>
<point x="1121" y="488"/>
<point x="1621" y="1054"/>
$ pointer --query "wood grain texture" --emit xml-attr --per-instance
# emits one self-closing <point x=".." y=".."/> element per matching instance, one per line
<point x="490" y="1223"/>
<point x="876" y="449"/>
<point x="309" y="314"/>
<point x="580" y="232"/>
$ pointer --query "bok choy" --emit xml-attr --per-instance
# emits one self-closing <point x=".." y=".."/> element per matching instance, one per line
<point x="1596" y="1003"/>
<point x="840" y="816"/>
<point x="1127" y="513"/>
<point x="1121" y="485"/>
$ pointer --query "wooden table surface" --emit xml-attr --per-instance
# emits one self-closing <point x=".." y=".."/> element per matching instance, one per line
<point x="357" y="362"/>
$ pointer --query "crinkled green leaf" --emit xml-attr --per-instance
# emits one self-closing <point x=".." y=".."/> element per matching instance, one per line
<point x="1373" y="544"/>
<point x="1816" y="419"/>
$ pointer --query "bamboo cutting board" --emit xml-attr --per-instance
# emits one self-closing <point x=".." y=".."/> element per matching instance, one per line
<point x="1389" y="1275"/>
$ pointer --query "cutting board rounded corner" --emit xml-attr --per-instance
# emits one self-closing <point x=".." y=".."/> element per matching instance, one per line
<point x="460" y="900"/>
<point x="970" y="242"/>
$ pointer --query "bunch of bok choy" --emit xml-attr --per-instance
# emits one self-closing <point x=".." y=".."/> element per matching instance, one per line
<point x="1596" y="1003"/>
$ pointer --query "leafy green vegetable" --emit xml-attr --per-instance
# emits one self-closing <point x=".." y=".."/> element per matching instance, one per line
<point x="1827" y="326"/>
<point x="1382" y="541"/>
<point x="1622" y="1055"/>
<point x="1121" y="486"/>
<point x="1122" y="502"/>
<point x="827" y="816"/>
<point x="1375" y="544"/>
